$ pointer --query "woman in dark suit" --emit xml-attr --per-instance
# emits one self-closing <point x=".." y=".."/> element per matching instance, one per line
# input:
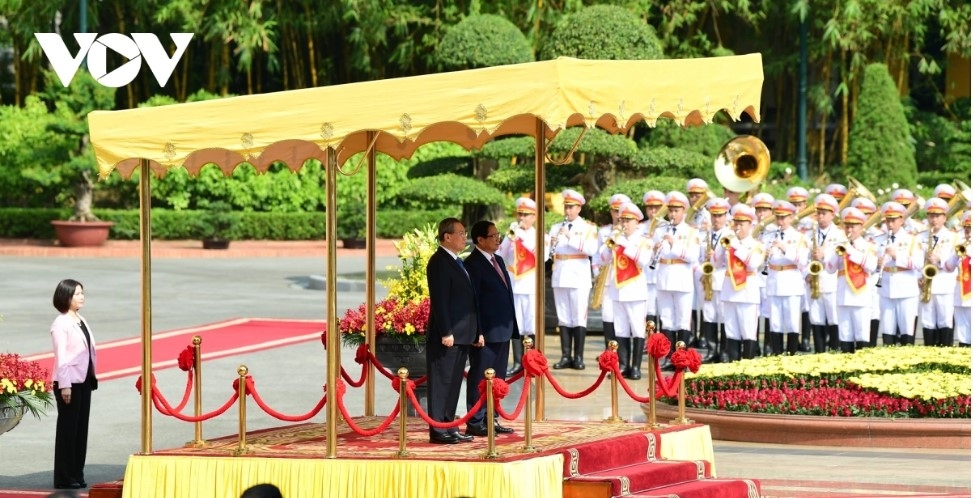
<point x="452" y="328"/>
<point x="74" y="379"/>
<point x="497" y="323"/>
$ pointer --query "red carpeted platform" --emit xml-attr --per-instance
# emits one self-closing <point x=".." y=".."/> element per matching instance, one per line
<point x="122" y="357"/>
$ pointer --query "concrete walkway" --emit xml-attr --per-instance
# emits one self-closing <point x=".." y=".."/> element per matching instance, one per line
<point x="270" y="280"/>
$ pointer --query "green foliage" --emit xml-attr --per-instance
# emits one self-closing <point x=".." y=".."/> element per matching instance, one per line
<point x="483" y="40"/>
<point x="603" y="32"/>
<point x="706" y="140"/>
<point x="415" y="249"/>
<point x="880" y="148"/>
<point x="508" y="147"/>
<point x="462" y="166"/>
<point x="217" y="222"/>
<point x="520" y="177"/>
<point x="669" y="161"/>
<point x="942" y="144"/>
<point x="449" y="190"/>
<point x="31" y="152"/>
<point x="635" y="189"/>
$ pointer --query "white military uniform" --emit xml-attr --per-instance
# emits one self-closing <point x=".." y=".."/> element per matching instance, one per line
<point x="962" y="295"/>
<point x="854" y="304"/>
<point x="824" y="309"/>
<point x="785" y="280"/>
<point x="899" y="293"/>
<point x="713" y="309"/>
<point x="524" y="282"/>
<point x="938" y="312"/>
<point x="741" y="306"/>
<point x="651" y="299"/>
<point x="607" y="307"/>
<point x="627" y="297"/>
<point x="571" y="276"/>
<point x="674" y="280"/>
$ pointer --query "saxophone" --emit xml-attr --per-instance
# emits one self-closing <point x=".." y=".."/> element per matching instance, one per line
<point x="602" y="280"/>
<point x="929" y="271"/>
<point x="814" y="269"/>
<point x="707" y="268"/>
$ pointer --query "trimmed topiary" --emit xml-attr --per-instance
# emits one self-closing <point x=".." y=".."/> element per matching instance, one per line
<point x="483" y="40"/>
<point x="603" y="32"/>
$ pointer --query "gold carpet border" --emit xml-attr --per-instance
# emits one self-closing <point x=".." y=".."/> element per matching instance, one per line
<point x="291" y="457"/>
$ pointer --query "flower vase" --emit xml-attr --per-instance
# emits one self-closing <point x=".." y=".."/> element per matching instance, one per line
<point x="393" y="354"/>
<point x="10" y="415"/>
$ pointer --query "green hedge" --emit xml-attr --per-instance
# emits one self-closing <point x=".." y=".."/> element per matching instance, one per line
<point x="35" y="223"/>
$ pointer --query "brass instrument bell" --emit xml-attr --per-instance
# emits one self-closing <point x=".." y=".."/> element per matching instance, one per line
<point x="742" y="163"/>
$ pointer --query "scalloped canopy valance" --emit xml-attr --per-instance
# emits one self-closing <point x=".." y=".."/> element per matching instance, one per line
<point x="466" y="107"/>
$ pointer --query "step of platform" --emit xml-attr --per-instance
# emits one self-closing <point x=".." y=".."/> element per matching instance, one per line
<point x="649" y="475"/>
<point x="703" y="488"/>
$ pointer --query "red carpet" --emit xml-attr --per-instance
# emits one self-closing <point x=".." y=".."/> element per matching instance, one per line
<point x="122" y="357"/>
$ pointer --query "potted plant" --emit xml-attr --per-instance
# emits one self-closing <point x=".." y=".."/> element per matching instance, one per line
<point x="24" y="387"/>
<point x="71" y="106"/>
<point x="216" y="224"/>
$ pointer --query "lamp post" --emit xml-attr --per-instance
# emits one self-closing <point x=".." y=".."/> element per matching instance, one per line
<point x="801" y="104"/>
<point x="83" y="18"/>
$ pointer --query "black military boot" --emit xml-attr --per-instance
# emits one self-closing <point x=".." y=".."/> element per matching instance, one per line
<point x="859" y="345"/>
<point x="889" y="340"/>
<point x="712" y="343"/>
<point x="930" y="337"/>
<point x="579" y="335"/>
<point x="732" y="350"/>
<point x="776" y="343"/>
<point x="768" y="338"/>
<point x="706" y="341"/>
<point x="820" y="338"/>
<point x="609" y="330"/>
<point x="792" y="343"/>
<point x="946" y="336"/>
<point x="805" y="346"/>
<point x="907" y="340"/>
<point x="750" y="348"/>
<point x="638" y="349"/>
<point x="565" y="362"/>
<point x="518" y="351"/>
<point x="624" y="352"/>
<point x="833" y="342"/>
<point x="846" y="346"/>
<point x="723" y="356"/>
<point x="873" y="333"/>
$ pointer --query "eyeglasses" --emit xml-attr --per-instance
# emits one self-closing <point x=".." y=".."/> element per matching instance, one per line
<point x="495" y="236"/>
<point x="463" y="233"/>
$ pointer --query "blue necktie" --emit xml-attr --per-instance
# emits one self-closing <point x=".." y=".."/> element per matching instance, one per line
<point x="462" y="266"/>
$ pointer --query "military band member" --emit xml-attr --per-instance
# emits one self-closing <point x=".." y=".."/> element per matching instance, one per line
<point x="946" y="192"/>
<point x="838" y="191"/>
<point x="712" y="330"/>
<point x="959" y="261"/>
<point x="604" y="234"/>
<point x="625" y="255"/>
<point x="653" y="201"/>
<point x="937" y="314"/>
<point x="677" y="249"/>
<point x="695" y="190"/>
<point x="906" y="198"/>
<point x="573" y="241"/>
<point x="824" y="308"/>
<point x="798" y="197"/>
<point x="740" y="258"/>
<point x="900" y="259"/>
<point x="868" y="208"/>
<point x="852" y="268"/>
<point x="518" y="250"/>
<point x="786" y="255"/>
<point x="763" y="204"/>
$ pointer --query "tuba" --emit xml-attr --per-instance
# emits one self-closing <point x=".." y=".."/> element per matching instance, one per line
<point x="742" y="163"/>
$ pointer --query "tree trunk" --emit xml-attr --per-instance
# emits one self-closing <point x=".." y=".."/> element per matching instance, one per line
<point x="83" y="195"/>
<point x="847" y="80"/>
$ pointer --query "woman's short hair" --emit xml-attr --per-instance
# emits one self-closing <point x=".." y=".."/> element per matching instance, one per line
<point x="64" y="293"/>
<point x="262" y="491"/>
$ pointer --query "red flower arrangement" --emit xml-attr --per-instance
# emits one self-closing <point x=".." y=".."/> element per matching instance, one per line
<point x="404" y="320"/>
<point x="24" y="382"/>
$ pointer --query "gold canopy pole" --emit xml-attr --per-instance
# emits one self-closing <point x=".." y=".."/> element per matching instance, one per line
<point x="334" y="342"/>
<point x="145" y="231"/>
<point x="370" y="275"/>
<point x="540" y="153"/>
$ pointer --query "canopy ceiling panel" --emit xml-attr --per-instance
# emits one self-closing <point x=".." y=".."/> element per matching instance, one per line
<point x="466" y="107"/>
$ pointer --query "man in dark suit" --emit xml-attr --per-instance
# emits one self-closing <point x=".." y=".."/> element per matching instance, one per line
<point x="452" y="328"/>
<point x="497" y="324"/>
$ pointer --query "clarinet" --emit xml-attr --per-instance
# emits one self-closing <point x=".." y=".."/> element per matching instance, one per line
<point x="881" y="266"/>
<point x="555" y="237"/>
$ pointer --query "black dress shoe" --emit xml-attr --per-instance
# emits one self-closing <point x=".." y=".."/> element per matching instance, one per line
<point x="443" y="439"/>
<point x="463" y="438"/>
<point x="70" y="485"/>
<point x="514" y="370"/>
<point x="499" y="429"/>
<point x="476" y="430"/>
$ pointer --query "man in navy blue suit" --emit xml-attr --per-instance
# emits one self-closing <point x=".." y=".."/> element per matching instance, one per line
<point x="452" y="329"/>
<point x="497" y="324"/>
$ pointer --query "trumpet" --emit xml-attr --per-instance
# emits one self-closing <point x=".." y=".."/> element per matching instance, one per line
<point x="602" y="280"/>
<point x="840" y="250"/>
<point x="960" y="250"/>
<point x="725" y="242"/>
<point x="513" y="230"/>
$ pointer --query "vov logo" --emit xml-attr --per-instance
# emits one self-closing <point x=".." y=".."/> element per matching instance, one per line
<point x="139" y="46"/>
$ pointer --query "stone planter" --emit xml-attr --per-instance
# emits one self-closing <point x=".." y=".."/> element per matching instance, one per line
<point x="217" y="244"/>
<point x="81" y="233"/>
<point x="863" y="432"/>
<point x="393" y="354"/>
<point x="353" y="243"/>
<point x="11" y="416"/>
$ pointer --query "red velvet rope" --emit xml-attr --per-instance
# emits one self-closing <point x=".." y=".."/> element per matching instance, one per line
<point x="581" y="394"/>
<point x="252" y="390"/>
<point x="187" y="358"/>
<point x="520" y="404"/>
<point x="165" y="409"/>
<point x="351" y="423"/>
<point x="442" y="425"/>
<point x="671" y="388"/>
<point x="382" y="370"/>
<point x="185" y="394"/>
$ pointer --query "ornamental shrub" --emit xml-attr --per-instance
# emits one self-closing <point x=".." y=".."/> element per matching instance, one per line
<point x="603" y="32"/>
<point x="880" y="147"/>
<point x="483" y="40"/>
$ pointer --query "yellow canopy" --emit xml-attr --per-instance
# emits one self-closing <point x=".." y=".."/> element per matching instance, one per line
<point x="465" y="107"/>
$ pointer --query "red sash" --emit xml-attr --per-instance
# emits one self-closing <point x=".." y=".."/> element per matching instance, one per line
<point x="625" y="267"/>
<point x="964" y="277"/>
<point x="737" y="270"/>
<point x="524" y="260"/>
<point x="855" y="275"/>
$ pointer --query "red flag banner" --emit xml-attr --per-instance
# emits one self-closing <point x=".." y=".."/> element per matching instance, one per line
<point x="737" y="270"/>
<point x="625" y="269"/>
<point x="964" y="276"/>
<point x="524" y="260"/>
<point x="855" y="275"/>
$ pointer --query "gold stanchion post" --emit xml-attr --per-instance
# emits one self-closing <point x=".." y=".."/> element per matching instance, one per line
<point x="491" y="430"/>
<point x="651" y="423"/>
<point x="241" y="390"/>
<point x="198" y="391"/>
<point x="681" y="419"/>
<point x="528" y="419"/>
<point x="403" y="410"/>
<point x="614" y="418"/>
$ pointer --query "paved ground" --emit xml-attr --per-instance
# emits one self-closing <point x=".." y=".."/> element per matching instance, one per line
<point x="269" y="280"/>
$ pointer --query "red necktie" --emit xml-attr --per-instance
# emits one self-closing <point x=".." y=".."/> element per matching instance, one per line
<point x="496" y="266"/>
